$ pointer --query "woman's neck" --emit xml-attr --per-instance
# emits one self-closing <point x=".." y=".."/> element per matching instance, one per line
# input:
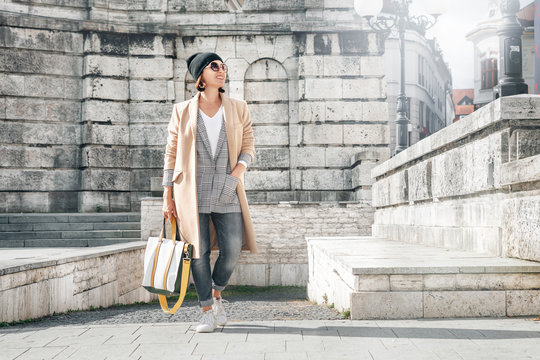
<point x="211" y="96"/>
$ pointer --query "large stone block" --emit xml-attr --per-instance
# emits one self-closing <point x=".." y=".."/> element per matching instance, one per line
<point x="267" y="180"/>
<point x="151" y="44"/>
<point x="343" y="110"/>
<point x="107" y="111"/>
<point x="41" y="39"/>
<point x="146" y="157"/>
<point x="103" y="88"/>
<point x="148" y="135"/>
<point x="93" y="156"/>
<point x="366" y="88"/>
<point x="310" y="65"/>
<point x="105" y="134"/>
<point x="271" y="135"/>
<point x="105" y="179"/>
<point x="150" y="112"/>
<point x="386" y="305"/>
<point x="266" y="90"/>
<point x="26" y="108"/>
<point x="157" y="90"/>
<point x="66" y="156"/>
<point x="522" y="302"/>
<point x="316" y="88"/>
<point x="374" y="111"/>
<point x="310" y="156"/>
<point x="151" y="68"/>
<point x="365" y="134"/>
<point x="100" y="65"/>
<point x="391" y="190"/>
<point x="311" y="111"/>
<point x="269" y="113"/>
<point x="39" y="133"/>
<point x="322" y="134"/>
<point x="32" y="62"/>
<point x="267" y="158"/>
<point x="342" y="65"/>
<point x="521" y="228"/>
<point x="323" y="179"/>
<point x="39" y="179"/>
<point x="419" y="177"/>
<point x="464" y="303"/>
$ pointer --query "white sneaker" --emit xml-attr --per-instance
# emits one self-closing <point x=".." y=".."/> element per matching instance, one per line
<point x="207" y="323"/>
<point x="219" y="311"/>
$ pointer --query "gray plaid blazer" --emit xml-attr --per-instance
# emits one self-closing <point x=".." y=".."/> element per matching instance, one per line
<point x="216" y="188"/>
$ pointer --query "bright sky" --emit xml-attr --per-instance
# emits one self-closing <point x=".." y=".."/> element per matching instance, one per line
<point x="460" y="17"/>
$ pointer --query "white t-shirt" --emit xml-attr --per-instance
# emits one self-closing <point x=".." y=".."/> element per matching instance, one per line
<point x="213" y="127"/>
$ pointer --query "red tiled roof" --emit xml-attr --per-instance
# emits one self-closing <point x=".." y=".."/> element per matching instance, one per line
<point x="459" y="94"/>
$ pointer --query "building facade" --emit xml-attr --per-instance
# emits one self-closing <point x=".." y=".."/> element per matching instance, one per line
<point x="486" y="51"/>
<point x="428" y="82"/>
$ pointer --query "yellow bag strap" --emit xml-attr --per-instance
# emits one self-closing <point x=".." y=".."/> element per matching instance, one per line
<point x="183" y="287"/>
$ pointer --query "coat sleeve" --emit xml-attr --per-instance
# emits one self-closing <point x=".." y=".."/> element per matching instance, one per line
<point x="248" y="143"/>
<point x="172" y="140"/>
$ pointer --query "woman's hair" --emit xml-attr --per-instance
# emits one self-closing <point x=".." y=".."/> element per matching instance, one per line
<point x="200" y="88"/>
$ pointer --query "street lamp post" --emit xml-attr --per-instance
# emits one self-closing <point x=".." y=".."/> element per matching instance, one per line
<point x="510" y="59"/>
<point x="399" y="18"/>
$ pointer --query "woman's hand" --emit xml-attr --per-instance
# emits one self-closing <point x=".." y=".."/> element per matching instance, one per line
<point x="169" y="208"/>
<point x="238" y="170"/>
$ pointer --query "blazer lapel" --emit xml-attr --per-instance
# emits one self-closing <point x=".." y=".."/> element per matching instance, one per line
<point x="201" y="128"/>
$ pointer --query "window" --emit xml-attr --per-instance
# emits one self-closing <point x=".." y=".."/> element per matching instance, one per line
<point x="489" y="73"/>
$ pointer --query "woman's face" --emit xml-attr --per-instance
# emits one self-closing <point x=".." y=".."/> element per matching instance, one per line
<point x="213" y="78"/>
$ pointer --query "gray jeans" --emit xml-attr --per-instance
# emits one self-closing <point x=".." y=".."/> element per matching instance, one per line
<point x="229" y="234"/>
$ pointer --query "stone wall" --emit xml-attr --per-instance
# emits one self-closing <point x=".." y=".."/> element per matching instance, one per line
<point x="75" y="279"/>
<point x="280" y="231"/>
<point x="474" y="185"/>
<point x="86" y="93"/>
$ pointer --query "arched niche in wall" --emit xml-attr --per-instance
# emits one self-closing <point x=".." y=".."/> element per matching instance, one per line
<point x="266" y="92"/>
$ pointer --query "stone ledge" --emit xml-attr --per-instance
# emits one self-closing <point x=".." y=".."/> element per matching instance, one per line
<point x="511" y="107"/>
<point x="69" y="279"/>
<point x="381" y="279"/>
<point x="35" y="258"/>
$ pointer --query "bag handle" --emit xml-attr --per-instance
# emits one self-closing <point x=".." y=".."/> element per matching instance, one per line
<point x="183" y="286"/>
<point x="175" y="235"/>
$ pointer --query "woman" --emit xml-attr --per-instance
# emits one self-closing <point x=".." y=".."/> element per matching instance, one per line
<point x="209" y="146"/>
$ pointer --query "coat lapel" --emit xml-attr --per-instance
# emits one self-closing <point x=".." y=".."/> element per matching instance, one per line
<point x="201" y="128"/>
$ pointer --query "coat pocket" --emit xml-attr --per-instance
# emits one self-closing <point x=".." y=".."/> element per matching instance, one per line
<point x="176" y="175"/>
<point x="228" y="193"/>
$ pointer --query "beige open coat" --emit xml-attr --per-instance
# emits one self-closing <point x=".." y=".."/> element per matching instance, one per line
<point x="181" y="155"/>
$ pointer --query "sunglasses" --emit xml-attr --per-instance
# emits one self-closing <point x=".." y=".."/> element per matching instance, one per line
<point x="215" y="66"/>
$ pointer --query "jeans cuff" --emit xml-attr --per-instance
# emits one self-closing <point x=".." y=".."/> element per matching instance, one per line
<point x="208" y="302"/>
<point x="217" y="287"/>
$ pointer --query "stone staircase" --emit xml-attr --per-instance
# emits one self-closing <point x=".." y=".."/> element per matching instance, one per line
<point x="68" y="229"/>
<point x="378" y="278"/>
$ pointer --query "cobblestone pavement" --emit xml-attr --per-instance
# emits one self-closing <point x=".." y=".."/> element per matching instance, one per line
<point x="287" y="303"/>
<point x="278" y="324"/>
<point x="474" y="339"/>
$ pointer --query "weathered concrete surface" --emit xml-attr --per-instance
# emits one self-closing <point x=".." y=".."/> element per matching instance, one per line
<point x="474" y="185"/>
<point x="36" y="283"/>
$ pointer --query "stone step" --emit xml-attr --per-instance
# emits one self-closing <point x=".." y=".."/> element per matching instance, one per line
<point x="79" y="242"/>
<point x="384" y="279"/>
<point x="68" y="229"/>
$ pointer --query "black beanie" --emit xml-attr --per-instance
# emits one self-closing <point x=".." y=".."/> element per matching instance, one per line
<point x="198" y="61"/>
